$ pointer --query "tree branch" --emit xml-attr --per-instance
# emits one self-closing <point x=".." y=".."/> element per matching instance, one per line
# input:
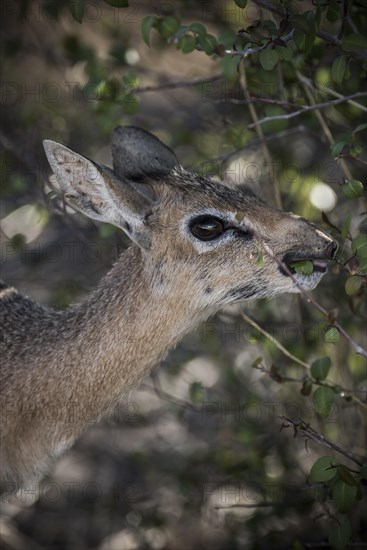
<point x="251" y="51"/>
<point x="307" y="88"/>
<point x="337" y="389"/>
<point x="308" y="108"/>
<point x="312" y="434"/>
<point x="177" y="84"/>
<point x="255" y="142"/>
<point x="270" y="337"/>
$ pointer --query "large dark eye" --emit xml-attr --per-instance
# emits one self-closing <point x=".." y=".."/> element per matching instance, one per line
<point x="206" y="228"/>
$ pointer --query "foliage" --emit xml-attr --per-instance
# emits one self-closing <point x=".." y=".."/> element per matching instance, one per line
<point x="275" y="93"/>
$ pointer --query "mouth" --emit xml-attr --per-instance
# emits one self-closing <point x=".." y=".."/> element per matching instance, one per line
<point x="307" y="270"/>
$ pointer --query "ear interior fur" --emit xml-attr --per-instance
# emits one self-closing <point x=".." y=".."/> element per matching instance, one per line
<point x="95" y="191"/>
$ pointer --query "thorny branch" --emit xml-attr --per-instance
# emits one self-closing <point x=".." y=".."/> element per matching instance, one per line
<point x="309" y="433"/>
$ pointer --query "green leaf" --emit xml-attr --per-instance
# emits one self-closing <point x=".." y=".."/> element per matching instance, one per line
<point x="338" y="147"/>
<point x="339" y="537"/>
<point x="76" y="8"/>
<point x="311" y="35"/>
<point x="257" y="362"/>
<point x="331" y="336"/>
<point x="300" y="23"/>
<point x="304" y="267"/>
<point x="270" y="27"/>
<point x="306" y="388"/>
<point x="230" y="68"/>
<point x="323" y="399"/>
<point x="346" y="476"/>
<point x="227" y="38"/>
<point x="299" y="39"/>
<point x="338" y="69"/>
<point x="240" y="3"/>
<point x="208" y="43"/>
<point x="359" y="247"/>
<point x="196" y="392"/>
<point x="354" y="42"/>
<point x="346" y="225"/>
<point x="268" y="59"/>
<point x="353" y="189"/>
<point x="188" y="43"/>
<point x="360" y="127"/>
<point x="353" y="285"/>
<point x="108" y="89"/>
<point x="146" y="26"/>
<point x="285" y="53"/>
<point x="333" y="12"/>
<point x="344" y="496"/>
<point x="168" y="26"/>
<point x="324" y="469"/>
<point x="130" y="104"/>
<point x="198" y="28"/>
<point x="355" y="150"/>
<point x="118" y="3"/>
<point x="320" y="368"/>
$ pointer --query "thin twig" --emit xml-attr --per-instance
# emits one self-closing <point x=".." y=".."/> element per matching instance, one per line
<point x="354" y="159"/>
<point x="260" y="133"/>
<point x="255" y="142"/>
<point x="254" y="99"/>
<point x="178" y="401"/>
<point x="251" y="51"/>
<point x="334" y="93"/>
<point x="307" y="88"/>
<point x="304" y="428"/>
<point x="177" y="84"/>
<point x="340" y="390"/>
<point x="308" y="108"/>
<point x="257" y="505"/>
<point x="274" y="341"/>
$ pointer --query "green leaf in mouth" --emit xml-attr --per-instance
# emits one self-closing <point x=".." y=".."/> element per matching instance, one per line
<point x="303" y="267"/>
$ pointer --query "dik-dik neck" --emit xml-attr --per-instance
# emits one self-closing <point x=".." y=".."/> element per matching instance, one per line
<point x="123" y="329"/>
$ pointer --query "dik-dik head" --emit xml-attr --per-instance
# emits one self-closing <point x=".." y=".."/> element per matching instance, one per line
<point x="214" y="244"/>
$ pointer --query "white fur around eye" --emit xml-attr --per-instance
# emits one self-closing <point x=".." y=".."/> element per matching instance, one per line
<point x="208" y="246"/>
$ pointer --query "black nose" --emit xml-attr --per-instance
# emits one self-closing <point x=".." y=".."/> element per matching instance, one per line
<point x="331" y="249"/>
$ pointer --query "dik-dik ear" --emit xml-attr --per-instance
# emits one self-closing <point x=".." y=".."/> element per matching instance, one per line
<point x="94" y="190"/>
<point x="139" y="156"/>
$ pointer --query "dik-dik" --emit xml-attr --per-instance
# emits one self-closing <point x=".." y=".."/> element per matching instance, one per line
<point x="196" y="246"/>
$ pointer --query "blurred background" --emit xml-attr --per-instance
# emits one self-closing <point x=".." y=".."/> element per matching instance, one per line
<point x="200" y="457"/>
